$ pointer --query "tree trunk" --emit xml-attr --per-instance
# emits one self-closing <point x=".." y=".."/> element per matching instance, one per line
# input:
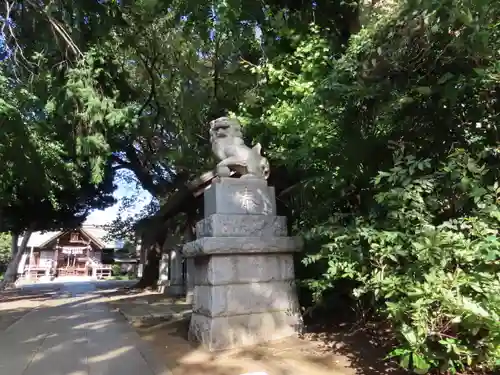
<point x="14" y="246"/>
<point x="154" y="233"/>
<point x="151" y="271"/>
<point x="11" y="273"/>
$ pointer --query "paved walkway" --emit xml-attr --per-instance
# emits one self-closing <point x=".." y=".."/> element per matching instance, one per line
<point x="71" y="335"/>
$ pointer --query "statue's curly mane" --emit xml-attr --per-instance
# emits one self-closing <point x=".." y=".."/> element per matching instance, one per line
<point x="231" y="126"/>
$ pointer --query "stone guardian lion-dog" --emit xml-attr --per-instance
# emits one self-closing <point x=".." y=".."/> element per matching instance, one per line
<point x="233" y="155"/>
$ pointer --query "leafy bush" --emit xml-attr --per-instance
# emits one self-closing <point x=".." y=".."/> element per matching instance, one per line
<point x="5" y="251"/>
<point x="428" y="258"/>
<point x="116" y="270"/>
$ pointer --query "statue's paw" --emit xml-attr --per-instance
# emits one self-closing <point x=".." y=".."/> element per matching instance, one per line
<point x="251" y="176"/>
<point x="223" y="171"/>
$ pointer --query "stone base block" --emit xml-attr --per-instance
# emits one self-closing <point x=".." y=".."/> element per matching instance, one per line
<point x="240" y="196"/>
<point x="239" y="299"/>
<point x="222" y="333"/>
<point x="174" y="290"/>
<point x="224" y="225"/>
<point x="241" y="245"/>
<point x="162" y="288"/>
<point x="237" y="269"/>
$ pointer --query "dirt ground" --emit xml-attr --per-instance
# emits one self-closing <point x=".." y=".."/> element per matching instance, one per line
<point x="340" y="352"/>
<point x="297" y="356"/>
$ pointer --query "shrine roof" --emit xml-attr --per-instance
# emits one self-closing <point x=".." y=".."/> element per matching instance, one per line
<point x="97" y="233"/>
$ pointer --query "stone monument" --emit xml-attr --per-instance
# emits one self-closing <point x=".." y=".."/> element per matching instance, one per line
<point x="170" y="280"/>
<point x="244" y="290"/>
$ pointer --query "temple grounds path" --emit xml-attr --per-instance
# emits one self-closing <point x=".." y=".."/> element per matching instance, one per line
<point x="98" y="328"/>
<point x="66" y="329"/>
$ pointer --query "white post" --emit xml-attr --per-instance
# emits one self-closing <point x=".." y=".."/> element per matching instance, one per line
<point x="28" y="276"/>
<point x="142" y="257"/>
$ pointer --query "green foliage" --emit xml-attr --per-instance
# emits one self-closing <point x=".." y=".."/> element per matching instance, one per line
<point x="292" y="117"/>
<point x="48" y="180"/>
<point x="5" y="250"/>
<point x="427" y="256"/>
<point x="116" y="270"/>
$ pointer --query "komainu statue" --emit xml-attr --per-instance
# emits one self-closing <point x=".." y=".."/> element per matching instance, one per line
<point x="233" y="154"/>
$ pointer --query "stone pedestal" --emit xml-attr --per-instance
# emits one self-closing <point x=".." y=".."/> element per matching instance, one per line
<point x="243" y="268"/>
<point x="172" y="284"/>
<point x="176" y="280"/>
<point x="189" y="282"/>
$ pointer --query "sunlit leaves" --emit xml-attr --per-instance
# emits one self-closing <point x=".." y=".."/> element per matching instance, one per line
<point x="434" y="275"/>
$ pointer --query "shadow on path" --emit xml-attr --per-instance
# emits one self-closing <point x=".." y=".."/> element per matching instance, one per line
<point x="74" y="334"/>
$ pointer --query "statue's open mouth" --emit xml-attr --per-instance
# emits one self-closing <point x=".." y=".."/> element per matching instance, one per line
<point x="221" y="127"/>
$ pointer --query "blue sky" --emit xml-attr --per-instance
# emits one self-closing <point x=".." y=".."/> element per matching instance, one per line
<point x="124" y="190"/>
